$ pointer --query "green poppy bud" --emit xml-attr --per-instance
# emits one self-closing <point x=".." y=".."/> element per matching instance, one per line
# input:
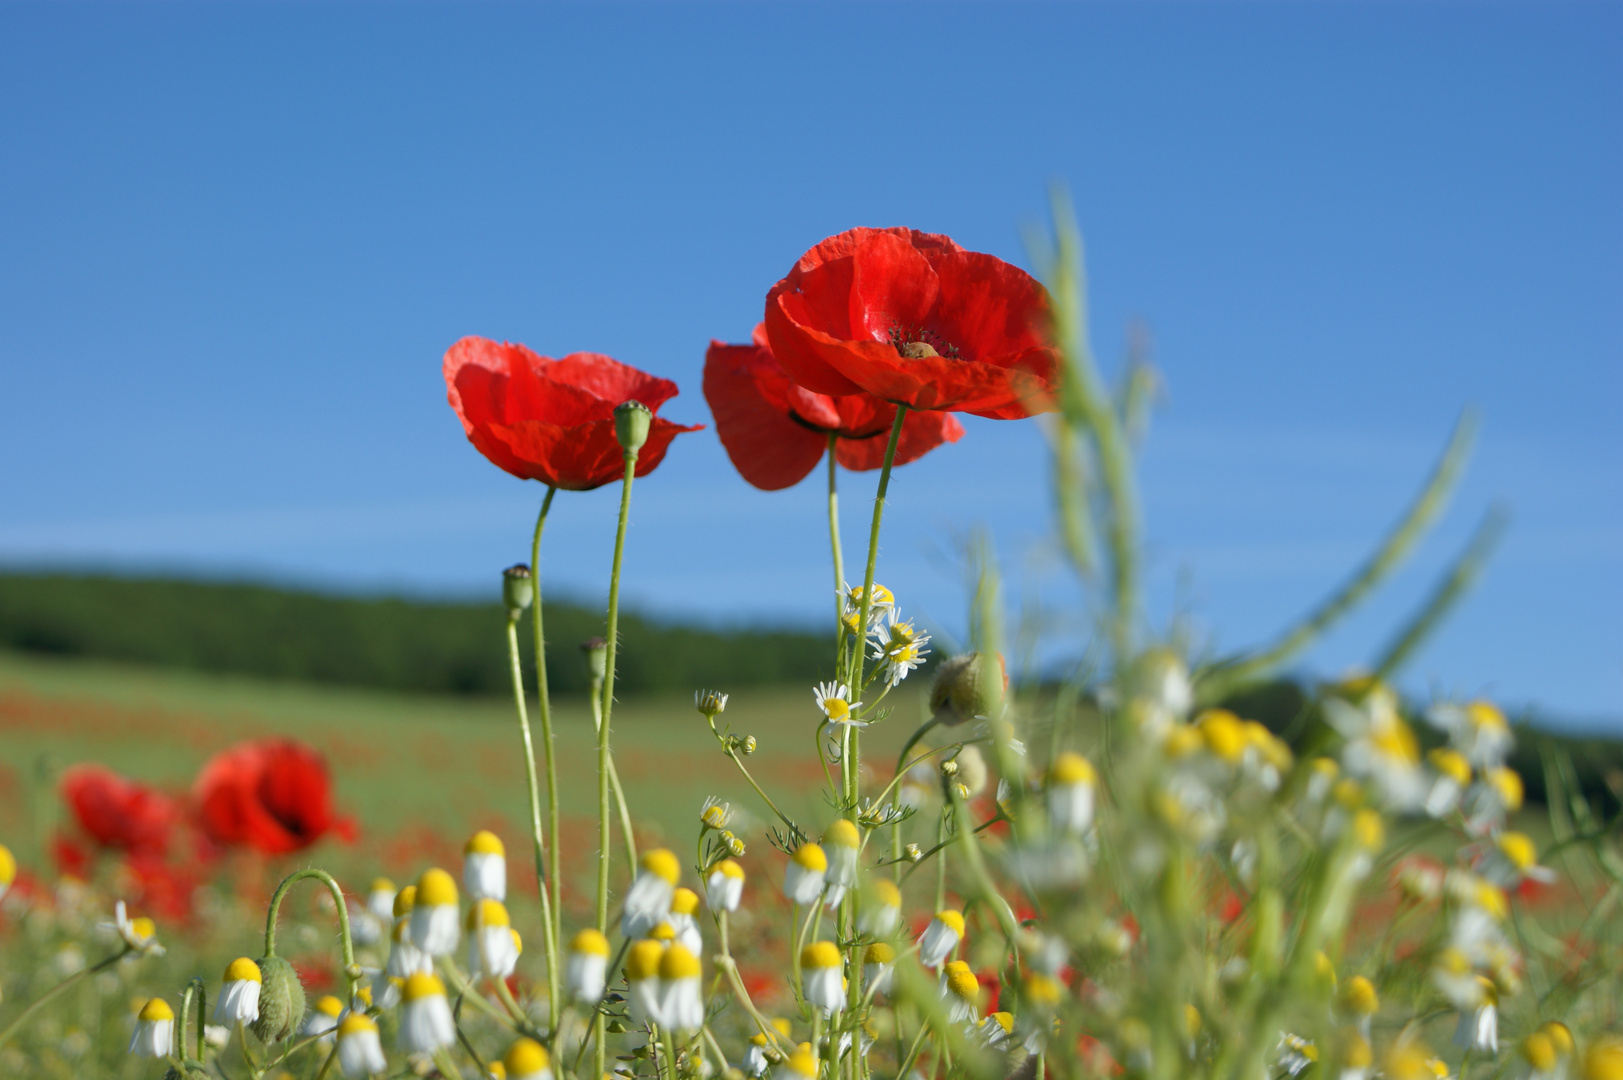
<point x="962" y="691"/>
<point x="281" y="1000"/>
<point x="597" y="657"/>
<point x="631" y="423"/>
<point x="518" y="588"/>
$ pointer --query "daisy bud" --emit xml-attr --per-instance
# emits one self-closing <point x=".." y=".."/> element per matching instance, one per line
<point x="281" y="1000"/>
<point x="913" y="852"/>
<point x="434" y="913"/>
<point x="960" y="690"/>
<point x="942" y="936"/>
<point x="735" y="846"/>
<point x="648" y="901"/>
<point x="484" y="866"/>
<point x="323" y="1019"/>
<point x="878" y="965"/>
<point x="493" y="947"/>
<point x="684" y="905"/>
<point x="745" y="745"/>
<point x="154" y="1030"/>
<point x="881" y="910"/>
<point x="961" y="990"/>
<point x="518" y="589"/>
<point x="239" y="997"/>
<point x="360" y="1052"/>
<point x="632" y="419"/>
<point x="822" y="976"/>
<point x="1071" y="784"/>
<point x="527" y="1060"/>
<point x="711" y="703"/>
<point x="803" y="877"/>
<point x="8" y="869"/>
<point x="425" y="1016"/>
<point x="715" y="814"/>
<point x="681" y="1002"/>
<point x="842" y="843"/>
<point x="586" y="969"/>
<point x="596" y="651"/>
<point x="724" y="889"/>
<point x="642" y="980"/>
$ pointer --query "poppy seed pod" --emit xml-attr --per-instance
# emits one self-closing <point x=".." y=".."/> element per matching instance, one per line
<point x="961" y="692"/>
<point x="596" y="651"/>
<point x="632" y="420"/>
<point x="518" y="588"/>
<point x="281" y="1000"/>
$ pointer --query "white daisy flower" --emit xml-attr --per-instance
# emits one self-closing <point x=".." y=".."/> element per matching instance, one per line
<point x="724" y="888"/>
<point x="527" y="1060"/>
<point x="323" y="1019"/>
<point x="360" y="1053"/>
<point x="434" y="915"/>
<point x="834" y="699"/>
<point x="681" y="999"/>
<point x="961" y="991"/>
<point x="881" y="909"/>
<point x="426" y="1023"/>
<point x="822" y="976"/>
<point x="154" y="1034"/>
<point x="842" y="843"/>
<point x="642" y="980"/>
<point x="684" y="906"/>
<point x="1477" y="729"/>
<point x="484" y="866"/>
<point x="900" y="646"/>
<point x="1478" y="1027"/>
<point x="239" y="997"/>
<point x="648" y="901"/>
<point x="878" y="967"/>
<point x="803" y="878"/>
<point x="586" y="968"/>
<point x="493" y="944"/>
<point x="942" y="936"/>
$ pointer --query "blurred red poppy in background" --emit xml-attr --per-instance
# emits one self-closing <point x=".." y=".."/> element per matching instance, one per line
<point x="775" y="431"/>
<point x="915" y="319"/>
<point x="117" y="813"/>
<point x="553" y="420"/>
<point x="274" y="796"/>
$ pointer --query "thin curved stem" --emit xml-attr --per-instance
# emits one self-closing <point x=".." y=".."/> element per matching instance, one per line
<point x="185" y="1005"/>
<point x="57" y="990"/>
<point x="552" y="911"/>
<point x="548" y="942"/>
<point x="351" y="972"/>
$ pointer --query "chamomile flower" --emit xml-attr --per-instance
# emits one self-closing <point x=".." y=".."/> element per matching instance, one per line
<point x="878" y="967"/>
<point x="1381" y="748"/>
<point x="425" y="1016"/>
<point x="1513" y="859"/>
<point x="883" y="601"/>
<point x="154" y="1034"/>
<point x="586" y="968"/>
<point x="484" y="866"/>
<point x="804" y="876"/>
<point x="1040" y="997"/>
<point x="684" y="906"/>
<point x="802" y="1064"/>
<point x="724" y="888"/>
<point x="961" y="991"/>
<point x="834" y="698"/>
<point x="8" y="870"/>
<point x="900" y="646"/>
<point x="711" y="703"/>
<point x="1294" y="1054"/>
<point x="493" y="944"/>
<point x="1604" y="1059"/>
<point x="1360" y="1002"/>
<point x="404" y="957"/>
<point x="1477" y="730"/>
<point x="239" y="996"/>
<point x="823" y="976"/>
<point x="323" y="1019"/>
<point x="681" y="1001"/>
<point x="1478" y="1027"/>
<point x="1451" y="773"/>
<point x="648" y="901"/>
<point x="842" y="844"/>
<point x="360" y="1052"/>
<point x="942" y="936"/>
<point x="1071" y="784"/>
<point x="881" y="909"/>
<point x="434" y="915"/>
<point x="715" y="814"/>
<point x="642" y="980"/>
<point x="527" y="1059"/>
<point x="997" y="1030"/>
<point x="758" y="1058"/>
<point x="140" y="933"/>
<point x="1488" y="802"/>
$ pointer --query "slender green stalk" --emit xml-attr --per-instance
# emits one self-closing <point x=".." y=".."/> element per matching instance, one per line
<point x="604" y="762"/>
<point x="1454" y="585"/>
<point x="834" y="531"/>
<point x="195" y="990"/>
<point x="57" y="990"/>
<point x="544" y="712"/>
<point x="549" y="943"/>
<point x="351" y="971"/>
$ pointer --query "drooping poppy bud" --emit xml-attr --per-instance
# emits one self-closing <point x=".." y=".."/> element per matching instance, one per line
<point x="281" y="1000"/>
<point x="596" y="651"/>
<point x="962" y="691"/>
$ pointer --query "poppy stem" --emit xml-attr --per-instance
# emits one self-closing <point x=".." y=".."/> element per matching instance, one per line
<point x="852" y="756"/>
<point x="60" y="988"/>
<point x="195" y="987"/>
<point x="600" y="1049"/>
<point x="551" y="907"/>
<point x="352" y="973"/>
<point x="834" y="532"/>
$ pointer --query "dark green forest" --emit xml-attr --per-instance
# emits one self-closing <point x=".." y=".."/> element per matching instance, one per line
<point x="386" y="642"/>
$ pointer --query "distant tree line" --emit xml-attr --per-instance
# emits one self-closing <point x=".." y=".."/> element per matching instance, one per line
<point x="385" y="642"/>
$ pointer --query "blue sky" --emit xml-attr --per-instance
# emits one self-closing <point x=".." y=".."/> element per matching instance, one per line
<point x="236" y="240"/>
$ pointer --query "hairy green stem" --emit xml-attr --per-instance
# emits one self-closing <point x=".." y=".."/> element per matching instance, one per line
<point x="57" y="990"/>
<point x="549" y="943"/>
<point x="554" y="916"/>
<point x="351" y="972"/>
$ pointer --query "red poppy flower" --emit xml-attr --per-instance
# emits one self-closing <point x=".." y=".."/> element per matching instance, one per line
<point x="776" y="431"/>
<point x="119" y="813"/>
<point x="915" y="319"/>
<point x="273" y="796"/>
<point x="553" y="420"/>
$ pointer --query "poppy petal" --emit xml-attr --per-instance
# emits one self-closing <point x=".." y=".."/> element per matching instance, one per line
<point x="765" y="443"/>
